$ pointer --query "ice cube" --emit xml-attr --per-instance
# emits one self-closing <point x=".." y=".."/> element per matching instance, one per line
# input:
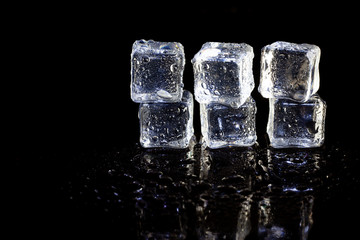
<point x="223" y="125"/>
<point x="289" y="70"/>
<point x="223" y="73"/>
<point x="296" y="124"/>
<point x="167" y="124"/>
<point x="157" y="71"/>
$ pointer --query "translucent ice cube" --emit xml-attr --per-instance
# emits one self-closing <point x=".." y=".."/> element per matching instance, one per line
<point x="289" y="70"/>
<point x="296" y="124"/>
<point x="167" y="124"/>
<point x="223" y="73"/>
<point x="223" y="125"/>
<point x="157" y="71"/>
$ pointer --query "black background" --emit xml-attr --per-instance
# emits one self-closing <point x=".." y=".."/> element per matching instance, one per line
<point x="72" y="84"/>
<point x="69" y="87"/>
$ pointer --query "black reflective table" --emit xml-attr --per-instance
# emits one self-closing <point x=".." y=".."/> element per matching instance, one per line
<point x="231" y="193"/>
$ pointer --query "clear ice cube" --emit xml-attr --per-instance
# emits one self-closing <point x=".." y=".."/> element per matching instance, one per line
<point x="167" y="124"/>
<point x="157" y="71"/>
<point x="223" y="125"/>
<point x="223" y="73"/>
<point x="289" y="70"/>
<point x="296" y="124"/>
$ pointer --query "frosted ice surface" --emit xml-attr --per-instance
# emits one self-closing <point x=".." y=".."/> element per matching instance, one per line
<point x="157" y="71"/>
<point x="223" y="73"/>
<point x="289" y="70"/>
<point x="222" y="125"/>
<point x="296" y="124"/>
<point x="167" y="124"/>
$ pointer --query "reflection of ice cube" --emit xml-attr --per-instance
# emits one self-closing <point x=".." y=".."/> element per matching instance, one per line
<point x="224" y="218"/>
<point x="292" y="223"/>
<point x="177" y="164"/>
<point x="222" y="125"/>
<point x="296" y="124"/>
<point x="294" y="170"/>
<point x="167" y="124"/>
<point x="223" y="73"/>
<point x="289" y="70"/>
<point x="165" y="175"/>
<point x="232" y="167"/>
<point x="161" y="216"/>
<point x="157" y="71"/>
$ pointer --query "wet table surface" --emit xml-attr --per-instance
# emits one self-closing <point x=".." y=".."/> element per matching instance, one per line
<point x="258" y="192"/>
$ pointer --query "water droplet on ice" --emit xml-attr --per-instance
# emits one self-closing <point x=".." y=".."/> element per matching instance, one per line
<point x="146" y="59"/>
<point x="198" y="67"/>
<point x="299" y="95"/>
<point x="165" y="46"/>
<point x="234" y="104"/>
<point x="174" y="67"/>
<point x="163" y="94"/>
<point x="136" y="63"/>
<point x="283" y="56"/>
<point x="206" y="92"/>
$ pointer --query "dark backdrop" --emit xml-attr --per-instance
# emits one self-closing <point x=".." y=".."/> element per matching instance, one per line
<point x="72" y="87"/>
<point x="69" y="87"/>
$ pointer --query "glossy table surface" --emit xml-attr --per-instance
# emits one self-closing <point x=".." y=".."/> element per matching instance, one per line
<point x="129" y="192"/>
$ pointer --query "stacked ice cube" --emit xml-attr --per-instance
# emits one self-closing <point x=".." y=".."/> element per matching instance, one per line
<point x="223" y="85"/>
<point x="289" y="77"/>
<point x="166" y="110"/>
